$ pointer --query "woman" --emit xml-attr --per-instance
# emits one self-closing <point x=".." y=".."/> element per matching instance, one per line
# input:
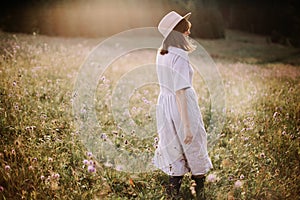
<point x="182" y="142"/>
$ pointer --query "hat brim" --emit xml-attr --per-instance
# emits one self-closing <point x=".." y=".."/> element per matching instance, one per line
<point x="187" y="16"/>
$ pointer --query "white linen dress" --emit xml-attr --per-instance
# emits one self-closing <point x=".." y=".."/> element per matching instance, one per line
<point x="172" y="156"/>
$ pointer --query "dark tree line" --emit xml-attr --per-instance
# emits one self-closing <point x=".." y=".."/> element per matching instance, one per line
<point x="278" y="19"/>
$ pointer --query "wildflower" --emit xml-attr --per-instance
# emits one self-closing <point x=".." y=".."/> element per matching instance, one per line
<point x="275" y="114"/>
<point x="103" y="136"/>
<point x="1" y="188"/>
<point x="55" y="176"/>
<point x="85" y="161"/>
<point x="30" y="168"/>
<point x="34" y="159"/>
<point x="211" y="178"/>
<point x="42" y="177"/>
<point x="91" y="169"/>
<point x="242" y="176"/>
<point x="50" y="159"/>
<point x="230" y="178"/>
<point x="91" y="162"/>
<point x="7" y="168"/>
<point x="238" y="184"/>
<point x="119" y="168"/>
<point x="262" y="155"/>
<point x="89" y="154"/>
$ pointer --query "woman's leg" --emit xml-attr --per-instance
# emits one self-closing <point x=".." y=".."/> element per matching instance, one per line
<point x="199" y="180"/>
<point x="174" y="186"/>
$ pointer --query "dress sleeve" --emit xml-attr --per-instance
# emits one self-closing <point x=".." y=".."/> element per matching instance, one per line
<point x="181" y="73"/>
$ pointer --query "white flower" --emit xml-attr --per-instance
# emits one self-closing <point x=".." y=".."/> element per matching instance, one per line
<point x="238" y="184"/>
<point x="242" y="176"/>
<point x="211" y="178"/>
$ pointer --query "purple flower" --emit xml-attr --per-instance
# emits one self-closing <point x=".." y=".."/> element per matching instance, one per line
<point x="91" y="169"/>
<point x="103" y="136"/>
<point x="89" y="154"/>
<point x="7" y="168"/>
<point x="238" y="184"/>
<point x="211" y="178"/>
<point x="91" y="162"/>
<point x="119" y="168"/>
<point x="55" y="176"/>
<point x="85" y="161"/>
<point x="42" y="177"/>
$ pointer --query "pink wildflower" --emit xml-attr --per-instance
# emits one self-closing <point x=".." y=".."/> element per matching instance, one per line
<point x="211" y="178"/>
<point x="7" y="168"/>
<point x="238" y="184"/>
<point x="91" y="169"/>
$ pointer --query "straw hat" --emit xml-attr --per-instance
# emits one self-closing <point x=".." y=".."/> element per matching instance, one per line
<point x="168" y="22"/>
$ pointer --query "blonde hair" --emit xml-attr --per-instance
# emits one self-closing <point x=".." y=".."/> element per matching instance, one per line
<point x="177" y="39"/>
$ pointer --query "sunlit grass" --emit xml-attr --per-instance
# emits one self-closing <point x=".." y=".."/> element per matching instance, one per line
<point x="41" y="156"/>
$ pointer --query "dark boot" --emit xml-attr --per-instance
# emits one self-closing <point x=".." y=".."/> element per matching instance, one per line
<point x="200" y="193"/>
<point x="174" y="187"/>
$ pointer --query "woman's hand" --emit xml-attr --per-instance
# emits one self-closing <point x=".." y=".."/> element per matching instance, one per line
<point x="188" y="136"/>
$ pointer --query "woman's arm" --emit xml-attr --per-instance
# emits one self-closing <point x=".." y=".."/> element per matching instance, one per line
<point x="182" y="107"/>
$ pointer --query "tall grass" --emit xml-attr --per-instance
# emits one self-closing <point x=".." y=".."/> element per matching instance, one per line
<point x="41" y="156"/>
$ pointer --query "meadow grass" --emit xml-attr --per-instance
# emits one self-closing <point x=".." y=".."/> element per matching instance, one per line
<point x="42" y="157"/>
